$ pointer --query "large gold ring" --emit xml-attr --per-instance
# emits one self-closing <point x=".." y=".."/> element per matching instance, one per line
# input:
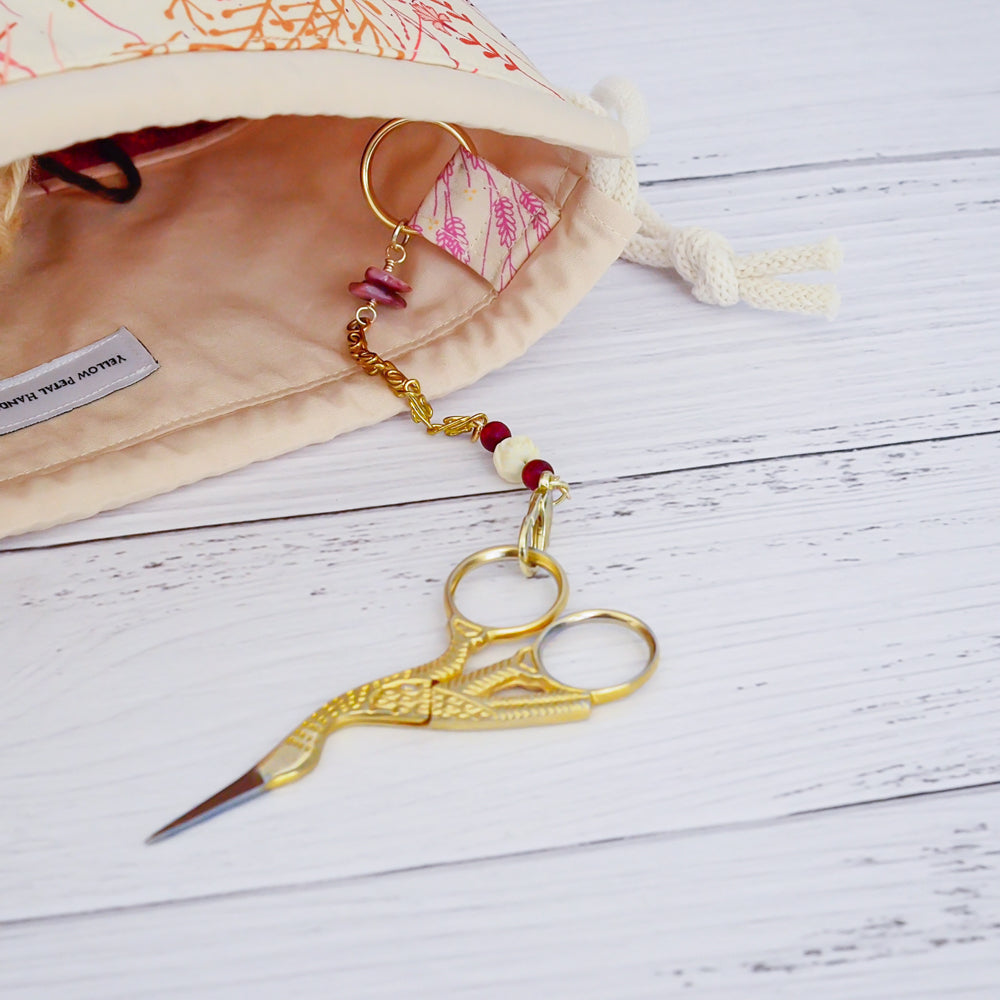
<point x="366" y="164"/>
<point x="501" y="633"/>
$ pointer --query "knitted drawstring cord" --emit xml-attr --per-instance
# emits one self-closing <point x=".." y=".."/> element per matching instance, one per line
<point x="703" y="258"/>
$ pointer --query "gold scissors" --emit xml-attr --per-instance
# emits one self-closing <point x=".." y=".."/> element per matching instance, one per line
<point x="516" y="691"/>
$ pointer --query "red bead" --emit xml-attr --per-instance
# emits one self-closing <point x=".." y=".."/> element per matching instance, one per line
<point x="532" y="472"/>
<point x="492" y="434"/>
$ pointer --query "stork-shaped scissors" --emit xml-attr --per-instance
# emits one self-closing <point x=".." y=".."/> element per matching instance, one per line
<point x="515" y="691"/>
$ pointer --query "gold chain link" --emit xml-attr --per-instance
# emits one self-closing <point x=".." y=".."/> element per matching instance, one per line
<point x="402" y="386"/>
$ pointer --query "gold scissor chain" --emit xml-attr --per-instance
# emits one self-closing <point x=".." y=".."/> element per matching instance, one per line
<point x="404" y="387"/>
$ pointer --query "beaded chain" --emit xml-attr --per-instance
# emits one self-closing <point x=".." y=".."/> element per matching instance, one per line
<point x="516" y="458"/>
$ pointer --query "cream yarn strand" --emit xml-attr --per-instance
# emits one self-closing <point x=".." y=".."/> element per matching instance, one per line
<point x="703" y="258"/>
<point x="13" y="177"/>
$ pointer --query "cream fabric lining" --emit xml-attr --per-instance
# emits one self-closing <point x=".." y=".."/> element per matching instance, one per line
<point x="231" y="267"/>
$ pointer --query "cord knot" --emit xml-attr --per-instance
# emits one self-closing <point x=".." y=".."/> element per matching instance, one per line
<point x="707" y="262"/>
<point x="703" y="258"/>
<point x="719" y="277"/>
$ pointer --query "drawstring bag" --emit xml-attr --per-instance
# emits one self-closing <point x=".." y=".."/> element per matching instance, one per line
<point x="181" y="217"/>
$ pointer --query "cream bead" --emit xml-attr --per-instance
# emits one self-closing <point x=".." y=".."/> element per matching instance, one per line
<point x="511" y="455"/>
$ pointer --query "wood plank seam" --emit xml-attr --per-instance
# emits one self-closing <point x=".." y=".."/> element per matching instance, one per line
<point x="563" y="850"/>
<point x="499" y="492"/>
<point x="954" y="155"/>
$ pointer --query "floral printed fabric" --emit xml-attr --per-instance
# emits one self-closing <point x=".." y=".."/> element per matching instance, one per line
<point x="38" y="37"/>
<point x="483" y="218"/>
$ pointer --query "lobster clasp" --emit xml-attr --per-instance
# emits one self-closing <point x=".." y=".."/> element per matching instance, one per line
<point x="536" y="528"/>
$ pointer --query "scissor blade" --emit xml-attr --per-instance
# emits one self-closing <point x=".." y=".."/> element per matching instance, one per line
<point x="241" y="790"/>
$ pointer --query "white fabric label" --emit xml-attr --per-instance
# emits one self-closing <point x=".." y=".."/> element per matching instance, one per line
<point x="73" y="380"/>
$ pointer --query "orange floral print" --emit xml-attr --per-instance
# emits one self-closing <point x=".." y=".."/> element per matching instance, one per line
<point x="74" y="33"/>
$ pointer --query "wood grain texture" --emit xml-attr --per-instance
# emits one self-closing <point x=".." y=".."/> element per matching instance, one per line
<point x="830" y="637"/>
<point x="791" y="82"/>
<point x="899" y="900"/>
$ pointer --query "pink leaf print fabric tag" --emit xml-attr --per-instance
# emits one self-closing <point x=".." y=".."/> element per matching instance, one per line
<point x="483" y="218"/>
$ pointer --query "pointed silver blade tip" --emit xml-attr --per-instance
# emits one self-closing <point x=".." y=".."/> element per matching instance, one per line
<point x="244" y="788"/>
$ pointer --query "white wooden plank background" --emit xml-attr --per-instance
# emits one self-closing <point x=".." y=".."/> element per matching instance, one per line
<point x="895" y="900"/>
<point x="804" y="802"/>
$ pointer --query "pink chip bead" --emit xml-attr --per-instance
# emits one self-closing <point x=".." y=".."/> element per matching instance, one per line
<point x="371" y="292"/>
<point x="376" y="276"/>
